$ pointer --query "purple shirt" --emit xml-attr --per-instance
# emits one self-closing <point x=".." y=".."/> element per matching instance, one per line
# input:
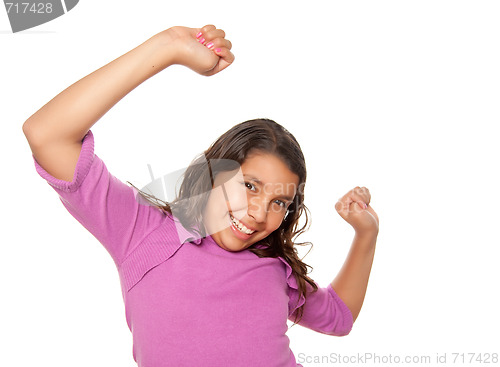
<point x="188" y="302"/>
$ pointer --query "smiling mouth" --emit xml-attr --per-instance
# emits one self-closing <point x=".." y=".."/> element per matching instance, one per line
<point x="240" y="226"/>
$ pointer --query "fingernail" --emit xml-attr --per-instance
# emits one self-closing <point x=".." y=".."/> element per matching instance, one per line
<point x="201" y="40"/>
<point x="210" y="45"/>
<point x="218" y="50"/>
<point x="199" y="35"/>
<point x="366" y="206"/>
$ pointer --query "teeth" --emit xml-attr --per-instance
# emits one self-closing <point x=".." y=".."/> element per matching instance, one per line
<point x="240" y="226"/>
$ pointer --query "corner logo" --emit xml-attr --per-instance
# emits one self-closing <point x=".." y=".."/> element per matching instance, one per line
<point x="28" y="14"/>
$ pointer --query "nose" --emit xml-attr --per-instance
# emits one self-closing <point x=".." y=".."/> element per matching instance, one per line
<point x="257" y="209"/>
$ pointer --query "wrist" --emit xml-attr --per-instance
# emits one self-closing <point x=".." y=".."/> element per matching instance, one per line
<point x="364" y="243"/>
<point x="367" y="234"/>
<point x="161" y="49"/>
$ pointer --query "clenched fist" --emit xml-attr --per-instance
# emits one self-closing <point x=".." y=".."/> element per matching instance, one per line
<point x="204" y="50"/>
<point x="354" y="207"/>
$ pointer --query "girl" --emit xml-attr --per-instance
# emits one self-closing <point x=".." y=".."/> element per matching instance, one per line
<point x="212" y="277"/>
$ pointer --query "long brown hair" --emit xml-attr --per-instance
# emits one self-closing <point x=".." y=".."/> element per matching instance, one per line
<point x="234" y="146"/>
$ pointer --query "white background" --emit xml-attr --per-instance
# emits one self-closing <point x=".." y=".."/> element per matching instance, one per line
<point x="399" y="96"/>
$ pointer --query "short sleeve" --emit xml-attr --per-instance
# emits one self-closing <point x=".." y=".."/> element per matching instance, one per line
<point x="325" y="312"/>
<point x="105" y="206"/>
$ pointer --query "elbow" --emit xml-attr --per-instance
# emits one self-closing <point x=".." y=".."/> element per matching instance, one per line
<point x="40" y="133"/>
<point x="26" y="128"/>
<point x="344" y="324"/>
<point x="342" y="330"/>
<point x="30" y="132"/>
<point x="339" y="327"/>
<point x="37" y="134"/>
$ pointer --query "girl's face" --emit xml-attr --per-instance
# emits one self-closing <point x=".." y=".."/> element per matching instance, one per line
<point x="248" y="205"/>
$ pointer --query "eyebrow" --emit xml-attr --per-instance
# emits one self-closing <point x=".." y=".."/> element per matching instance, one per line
<point x="259" y="182"/>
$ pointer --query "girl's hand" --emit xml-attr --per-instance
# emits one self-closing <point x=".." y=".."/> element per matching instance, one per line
<point x="354" y="207"/>
<point x="204" y="50"/>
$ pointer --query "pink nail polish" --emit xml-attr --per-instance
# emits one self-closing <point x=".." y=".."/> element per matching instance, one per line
<point x="210" y="45"/>
<point x="199" y="35"/>
<point x="218" y="50"/>
<point x="201" y="40"/>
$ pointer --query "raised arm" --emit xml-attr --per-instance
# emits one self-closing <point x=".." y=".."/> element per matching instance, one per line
<point x="352" y="280"/>
<point x="55" y="132"/>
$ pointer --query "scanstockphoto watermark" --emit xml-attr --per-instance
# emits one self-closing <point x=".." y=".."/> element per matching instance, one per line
<point x="369" y="358"/>
<point x="363" y="358"/>
<point x="234" y="184"/>
<point x="25" y="14"/>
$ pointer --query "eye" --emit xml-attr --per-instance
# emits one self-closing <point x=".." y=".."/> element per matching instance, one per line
<point x="281" y="203"/>
<point x="250" y="186"/>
